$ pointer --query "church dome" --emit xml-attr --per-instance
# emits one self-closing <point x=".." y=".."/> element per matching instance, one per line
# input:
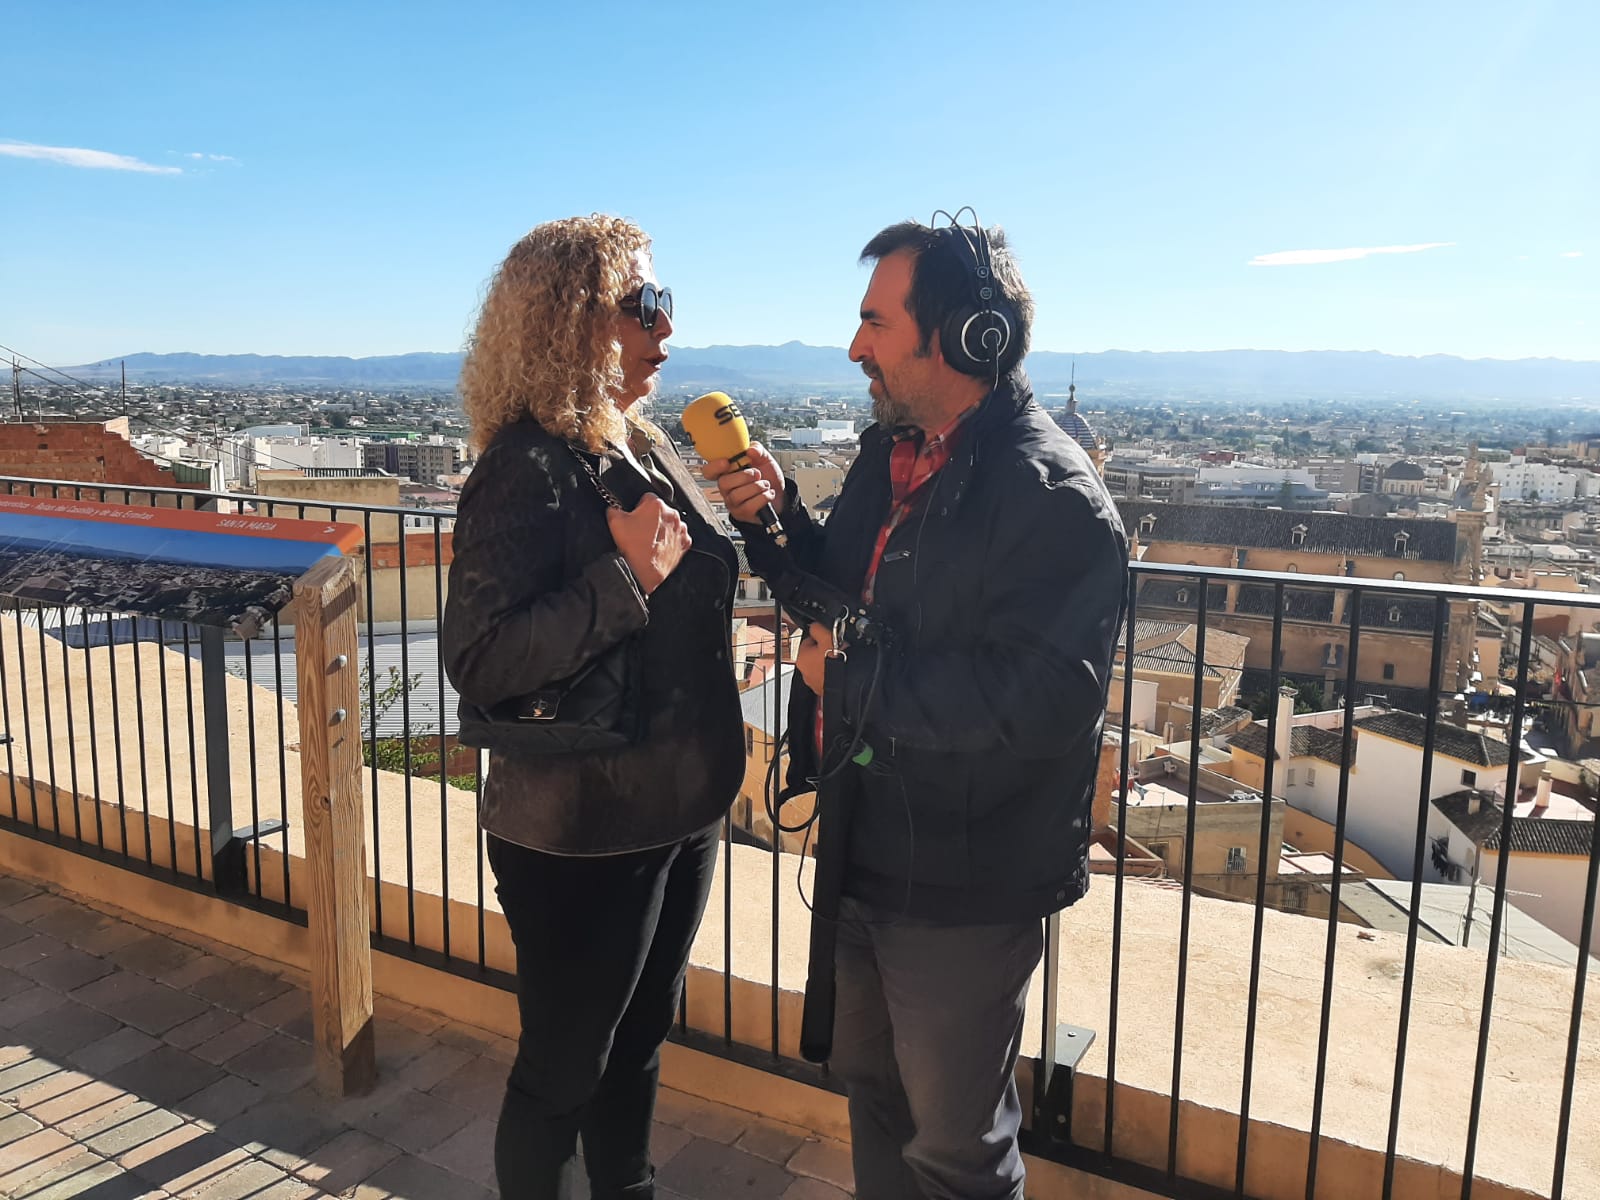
<point x="1079" y="430"/>
<point x="1404" y="470"/>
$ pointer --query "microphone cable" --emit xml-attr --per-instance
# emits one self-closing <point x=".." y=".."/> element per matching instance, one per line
<point x="774" y="803"/>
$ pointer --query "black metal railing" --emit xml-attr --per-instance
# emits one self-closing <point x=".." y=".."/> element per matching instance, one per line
<point x="82" y="691"/>
<point x="1445" y="605"/>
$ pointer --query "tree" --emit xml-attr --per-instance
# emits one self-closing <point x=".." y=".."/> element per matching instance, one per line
<point x="1309" y="699"/>
<point x="419" y="750"/>
<point x="1257" y="703"/>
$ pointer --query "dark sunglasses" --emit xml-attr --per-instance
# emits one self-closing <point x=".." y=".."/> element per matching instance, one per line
<point x="648" y="302"/>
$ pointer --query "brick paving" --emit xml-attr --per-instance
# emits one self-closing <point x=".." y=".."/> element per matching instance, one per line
<point x="140" y="1062"/>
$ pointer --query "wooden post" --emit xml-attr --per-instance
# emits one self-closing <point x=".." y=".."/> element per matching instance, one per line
<point x="335" y="827"/>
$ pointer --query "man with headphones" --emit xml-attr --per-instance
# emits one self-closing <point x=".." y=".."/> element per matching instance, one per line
<point x="982" y="537"/>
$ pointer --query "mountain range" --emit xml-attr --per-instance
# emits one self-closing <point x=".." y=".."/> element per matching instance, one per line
<point x="797" y="367"/>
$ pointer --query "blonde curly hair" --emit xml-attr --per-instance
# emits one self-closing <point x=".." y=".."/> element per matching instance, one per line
<point x="544" y="345"/>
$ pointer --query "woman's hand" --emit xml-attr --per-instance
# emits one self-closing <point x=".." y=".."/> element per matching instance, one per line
<point x="745" y="491"/>
<point x="652" y="539"/>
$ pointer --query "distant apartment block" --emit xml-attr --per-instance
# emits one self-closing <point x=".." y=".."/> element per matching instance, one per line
<point x="1541" y="482"/>
<point x="1150" y="480"/>
<point x="1345" y="476"/>
<point x="422" y="461"/>
<point x="284" y="448"/>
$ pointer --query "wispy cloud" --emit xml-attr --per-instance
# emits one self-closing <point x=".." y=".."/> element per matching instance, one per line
<point x="198" y="156"/>
<point x="94" y="160"/>
<point x="1572" y="254"/>
<point x="1304" y="258"/>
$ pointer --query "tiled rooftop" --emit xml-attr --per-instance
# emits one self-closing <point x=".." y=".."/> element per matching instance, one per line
<point x="1529" y="835"/>
<point x="1259" y="528"/>
<point x="1301" y="604"/>
<point x="1147" y="631"/>
<point x="1214" y="719"/>
<point x="1171" y="659"/>
<point x="1168" y="647"/>
<point x="1474" y="813"/>
<point x="1180" y="593"/>
<point x="1448" y="740"/>
<point x="1397" y="612"/>
<point x="1305" y="741"/>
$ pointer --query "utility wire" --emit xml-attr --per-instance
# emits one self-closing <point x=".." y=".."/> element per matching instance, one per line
<point x="214" y="441"/>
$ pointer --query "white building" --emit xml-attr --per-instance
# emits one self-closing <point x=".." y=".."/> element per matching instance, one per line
<point x="245" y="452"/>
<point x="1523" y="480"/>
<point x="1547" y="865"/>
<point x="1385" y="785"/>
<point x="1551" y="833"/>
<point x="1247" y="474"/>
<point x="827" y="433"/>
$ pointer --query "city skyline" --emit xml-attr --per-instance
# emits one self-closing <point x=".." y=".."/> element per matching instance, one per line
<point x="343" y="182"/>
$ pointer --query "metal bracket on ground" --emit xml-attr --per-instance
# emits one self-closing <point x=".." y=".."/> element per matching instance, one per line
<point x="1052" y="1108"/>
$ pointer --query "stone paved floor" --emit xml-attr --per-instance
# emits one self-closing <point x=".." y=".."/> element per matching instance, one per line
<point x="139" y="1062"/>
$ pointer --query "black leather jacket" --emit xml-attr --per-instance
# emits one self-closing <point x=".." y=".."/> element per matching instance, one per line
<point x="536" y="589"/>
<point x="1006" y="589"/>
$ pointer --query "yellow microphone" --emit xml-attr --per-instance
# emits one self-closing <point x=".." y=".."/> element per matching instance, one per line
<point x="718" y="429"/>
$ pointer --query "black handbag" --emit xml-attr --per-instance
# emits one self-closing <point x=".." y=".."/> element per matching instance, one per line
<point x="598" y="707"/>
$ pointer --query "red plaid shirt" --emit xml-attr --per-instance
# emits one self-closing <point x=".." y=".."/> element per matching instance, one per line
<point x="913" y="460"/>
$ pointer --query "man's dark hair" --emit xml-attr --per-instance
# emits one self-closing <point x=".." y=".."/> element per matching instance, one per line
<point x="942" y="281"/>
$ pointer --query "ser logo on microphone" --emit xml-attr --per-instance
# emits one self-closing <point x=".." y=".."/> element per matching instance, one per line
<point x="717" y="427"/>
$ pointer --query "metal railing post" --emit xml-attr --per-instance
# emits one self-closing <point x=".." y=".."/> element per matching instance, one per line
<point x="227" y="851"/>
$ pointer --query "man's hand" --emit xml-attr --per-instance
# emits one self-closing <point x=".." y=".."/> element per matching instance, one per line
<point x="813" y="656"/>
<point x="652" y="539"/>
<point x="745" y="491"/>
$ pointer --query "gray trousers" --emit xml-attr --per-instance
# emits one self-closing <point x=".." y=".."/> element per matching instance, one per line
<point x="925" y="1040"/>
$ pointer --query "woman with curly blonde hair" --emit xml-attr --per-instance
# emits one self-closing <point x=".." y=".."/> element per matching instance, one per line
<point x="580" y="532"/>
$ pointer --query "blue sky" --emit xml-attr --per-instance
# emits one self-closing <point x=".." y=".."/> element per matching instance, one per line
<point x="341" y="178"/>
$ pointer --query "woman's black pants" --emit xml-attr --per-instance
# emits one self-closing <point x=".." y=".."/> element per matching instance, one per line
<point x="602" y="947"/>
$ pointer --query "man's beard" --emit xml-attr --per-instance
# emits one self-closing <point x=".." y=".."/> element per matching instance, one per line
<point x="889" y="412"/>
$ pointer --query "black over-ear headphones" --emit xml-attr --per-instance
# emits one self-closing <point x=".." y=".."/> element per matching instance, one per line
<point x="975" y="337"/>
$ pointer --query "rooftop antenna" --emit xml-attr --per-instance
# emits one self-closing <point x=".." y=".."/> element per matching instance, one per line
<point x="16" y="388"/>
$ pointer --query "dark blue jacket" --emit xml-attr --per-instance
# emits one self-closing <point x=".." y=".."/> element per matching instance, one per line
<point x="1006" y="589"/>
